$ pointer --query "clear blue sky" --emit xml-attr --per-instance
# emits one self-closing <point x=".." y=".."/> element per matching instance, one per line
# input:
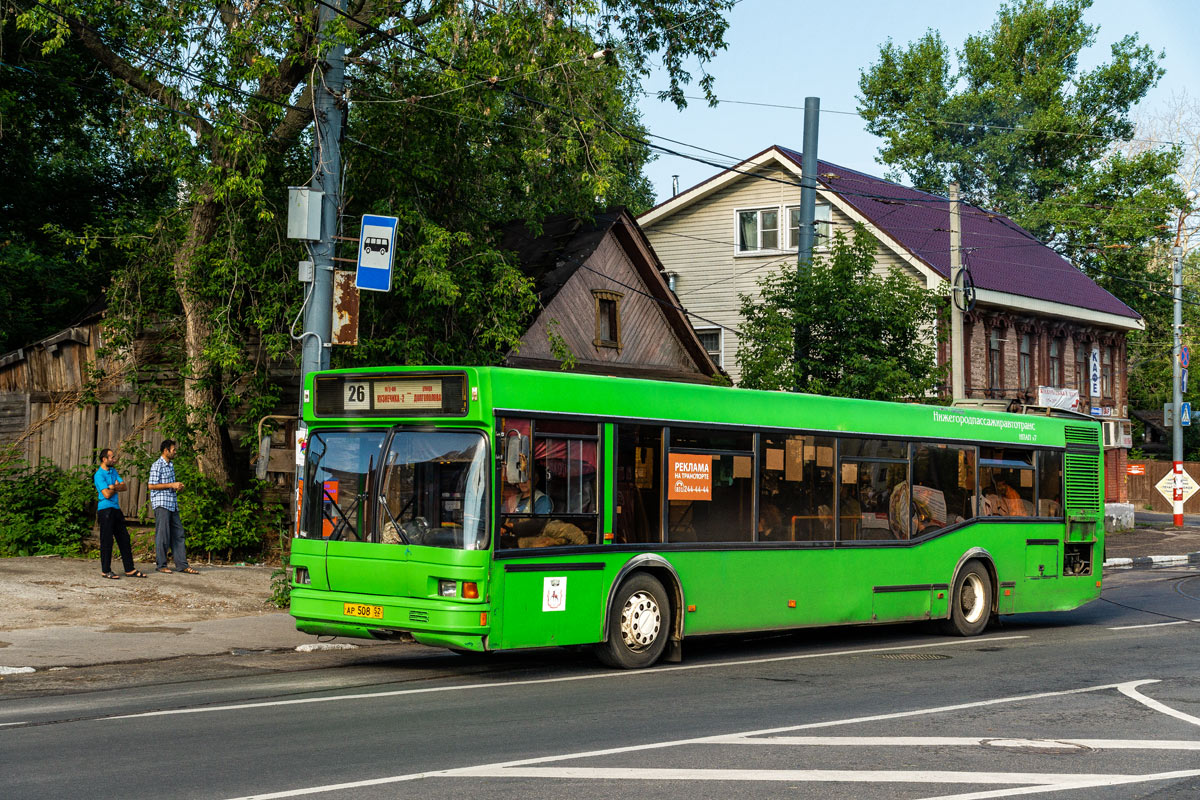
<point x="781" y="51"/>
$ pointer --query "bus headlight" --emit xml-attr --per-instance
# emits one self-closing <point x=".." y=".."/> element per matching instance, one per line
<point x="447" y="588"/>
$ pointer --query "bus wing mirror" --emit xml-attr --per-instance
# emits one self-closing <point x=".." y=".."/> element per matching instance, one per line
<point x="516" y="457"/>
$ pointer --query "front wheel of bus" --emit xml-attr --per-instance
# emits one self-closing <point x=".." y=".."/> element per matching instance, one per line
<point x="971" y="601"/>
<point x="638" y="624"/>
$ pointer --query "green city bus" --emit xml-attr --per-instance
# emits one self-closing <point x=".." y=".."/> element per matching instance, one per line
<point x="484" y="509"/>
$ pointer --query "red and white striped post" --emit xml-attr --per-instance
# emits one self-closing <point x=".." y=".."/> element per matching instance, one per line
<point x="1177" y="494"/>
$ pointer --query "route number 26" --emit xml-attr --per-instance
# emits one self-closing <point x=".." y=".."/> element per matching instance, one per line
<point x="356" y="395"/>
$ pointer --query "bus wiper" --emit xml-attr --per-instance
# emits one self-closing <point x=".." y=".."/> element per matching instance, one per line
<point x="399" y="531"/>
<point x="345" y="518"/>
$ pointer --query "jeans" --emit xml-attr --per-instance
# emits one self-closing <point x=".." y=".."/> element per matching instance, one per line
<point x="112" y="526"/>
<point x="168" y="535"/>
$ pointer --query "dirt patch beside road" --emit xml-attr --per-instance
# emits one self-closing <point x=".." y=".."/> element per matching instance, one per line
<point x="42" y="592"/>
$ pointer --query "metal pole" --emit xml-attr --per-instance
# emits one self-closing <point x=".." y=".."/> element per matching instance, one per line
<point x="808" y="182"/>
<point x="327" y="165"/>
<point x="808" y="210"/>
<point x="957" y="378"/>
<point x="1177" y="389"/>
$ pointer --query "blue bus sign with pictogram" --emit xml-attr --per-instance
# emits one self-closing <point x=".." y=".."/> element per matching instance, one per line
<point x="376" y="246"/>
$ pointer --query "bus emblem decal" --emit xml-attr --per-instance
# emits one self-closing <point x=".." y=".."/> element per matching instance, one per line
<point x="554" y="594"/>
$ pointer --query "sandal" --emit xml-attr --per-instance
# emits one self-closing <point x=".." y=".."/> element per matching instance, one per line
<point x="166" y="570"/>
<point x="137" y="573"/>
<point x="188" y="571"/>
<point x="111" y="576"/>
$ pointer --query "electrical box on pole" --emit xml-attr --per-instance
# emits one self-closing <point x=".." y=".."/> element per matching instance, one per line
<point x="304" y="213"/>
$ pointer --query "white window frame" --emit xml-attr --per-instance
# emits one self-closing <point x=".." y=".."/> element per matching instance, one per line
<point x="824" y="226"/>
<point x="759" y="250"/>
<point x="720" y="342"/>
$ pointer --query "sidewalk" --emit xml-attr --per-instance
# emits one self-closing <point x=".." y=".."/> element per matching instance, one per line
<point x="1152" y="546"/>
<point x="62" y="613"/>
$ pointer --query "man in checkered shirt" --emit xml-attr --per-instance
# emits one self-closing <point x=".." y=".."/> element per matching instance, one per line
<point x="168" y="529"/>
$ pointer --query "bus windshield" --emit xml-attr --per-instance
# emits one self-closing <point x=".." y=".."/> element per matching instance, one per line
<point x="433" y="490"/>
<point x="338" y="469"/>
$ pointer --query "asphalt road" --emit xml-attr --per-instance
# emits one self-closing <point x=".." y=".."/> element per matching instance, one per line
<point x="1101" y="702"/>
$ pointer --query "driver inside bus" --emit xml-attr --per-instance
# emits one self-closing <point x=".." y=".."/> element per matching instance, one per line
<point x="524" y="498"/>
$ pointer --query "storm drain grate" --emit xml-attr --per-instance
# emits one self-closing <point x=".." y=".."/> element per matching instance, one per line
<point x="911" y="656"/>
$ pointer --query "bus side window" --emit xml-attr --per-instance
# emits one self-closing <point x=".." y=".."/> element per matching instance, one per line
<point x="1050" y="483"/>
<point x="1006" y="478"/>
<point x="556" y="503"/>
<point x="795" y="489"/>
<point x="638" y="503"/>
<point x="943" y="486"/>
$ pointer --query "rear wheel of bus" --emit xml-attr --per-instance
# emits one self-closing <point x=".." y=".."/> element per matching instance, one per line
<point x="970" y="602"/>
<point x="639" y="623"/>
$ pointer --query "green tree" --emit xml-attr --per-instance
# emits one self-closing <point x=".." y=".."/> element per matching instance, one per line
<point x="1023" y="129"/>
<point x="857" y="333"/>
<point x="223" y="95"/>
<point x="68" y="175"/>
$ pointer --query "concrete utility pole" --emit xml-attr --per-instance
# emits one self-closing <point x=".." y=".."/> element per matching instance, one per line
<point x="1177" y="389"/>
<point x="808" y="183"/>
<point x="808" y="208"/>
<point x="957" y="379"/>
<point x="327" y="168"/>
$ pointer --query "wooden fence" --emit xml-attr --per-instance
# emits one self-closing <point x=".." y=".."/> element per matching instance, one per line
<point x="1142" y="492"/>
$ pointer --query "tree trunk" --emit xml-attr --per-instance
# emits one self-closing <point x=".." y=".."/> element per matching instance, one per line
<point x="202" y="389"/>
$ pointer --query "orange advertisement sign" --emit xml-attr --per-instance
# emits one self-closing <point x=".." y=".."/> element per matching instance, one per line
<point x="1135" y="469"/>
<point x="330" y="489"/>
<point x="691" y="477"/>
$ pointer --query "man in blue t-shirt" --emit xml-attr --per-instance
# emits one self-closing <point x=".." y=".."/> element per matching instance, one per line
<point x="112" y="522"/>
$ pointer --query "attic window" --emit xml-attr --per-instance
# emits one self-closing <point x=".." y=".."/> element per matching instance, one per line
<point x="823" y="223"/>
<point x="608" y="319"/>
<point x="758" y="229"/>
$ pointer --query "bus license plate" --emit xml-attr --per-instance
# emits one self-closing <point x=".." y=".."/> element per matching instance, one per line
<point x="361" y="610"/>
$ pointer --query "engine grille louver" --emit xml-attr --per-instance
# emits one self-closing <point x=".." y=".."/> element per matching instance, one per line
<point x="1082" y="466"/>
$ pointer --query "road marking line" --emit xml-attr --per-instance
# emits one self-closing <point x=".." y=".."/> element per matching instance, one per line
<point x="1130" y="690"/>
<point x="1154" y="625"/>
<point x="679" y="742"/>
<point x="565" y="679"/>
<point x="1115" y="780"/>
<point x="3" y="724"/>
<point x="963" y="741"/>
<point x="1042" y="781"/>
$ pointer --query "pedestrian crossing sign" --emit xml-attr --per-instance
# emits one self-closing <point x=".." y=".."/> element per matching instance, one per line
<point x="1185" y="413"/>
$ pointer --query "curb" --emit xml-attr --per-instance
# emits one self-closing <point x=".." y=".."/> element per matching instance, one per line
<point x="1152" y="561"/>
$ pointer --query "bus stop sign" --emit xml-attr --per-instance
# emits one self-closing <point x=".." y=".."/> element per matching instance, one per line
<point x="376" y="246"/>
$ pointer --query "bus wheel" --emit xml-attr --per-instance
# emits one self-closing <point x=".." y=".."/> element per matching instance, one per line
<point x="638" y="624"/>
<point x="971" y="601"/>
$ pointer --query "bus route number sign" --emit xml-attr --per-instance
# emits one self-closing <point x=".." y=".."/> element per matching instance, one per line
<point x="357" y="396"/>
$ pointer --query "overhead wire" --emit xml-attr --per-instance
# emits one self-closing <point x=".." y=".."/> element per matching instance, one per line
<point x="942" y="121"/>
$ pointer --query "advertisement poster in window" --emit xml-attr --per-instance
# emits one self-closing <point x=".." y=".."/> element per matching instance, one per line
<point x="691" y="477"/>
<point x="330" y="492"/>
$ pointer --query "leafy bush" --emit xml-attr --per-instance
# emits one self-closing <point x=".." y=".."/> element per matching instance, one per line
<point x="281" y="587"/>
<point x="44" y="509"/>
<point x="218" y="523"/>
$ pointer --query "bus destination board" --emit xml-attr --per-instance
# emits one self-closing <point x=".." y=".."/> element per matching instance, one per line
<point x="391" y="395"/>
<point x="408" y="395"/>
